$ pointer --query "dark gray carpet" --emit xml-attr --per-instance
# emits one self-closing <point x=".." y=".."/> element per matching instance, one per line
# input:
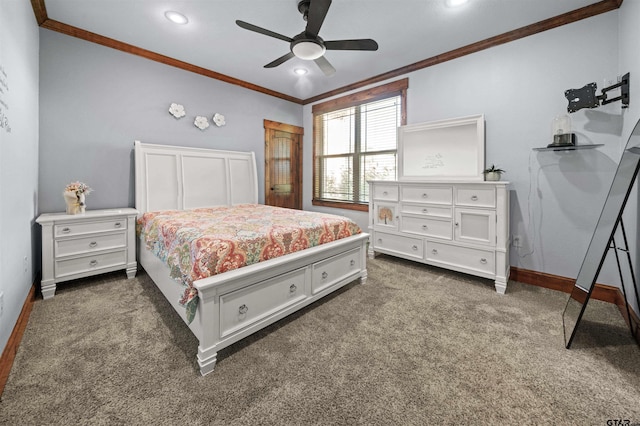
<point x="414" y="345"/>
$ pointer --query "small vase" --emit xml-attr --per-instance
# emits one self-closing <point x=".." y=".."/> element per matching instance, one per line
<point x="492" y="176"/>
<point x="72" y="201"/>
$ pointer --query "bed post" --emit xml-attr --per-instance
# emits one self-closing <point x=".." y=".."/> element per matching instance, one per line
<point x="208" y="313"/>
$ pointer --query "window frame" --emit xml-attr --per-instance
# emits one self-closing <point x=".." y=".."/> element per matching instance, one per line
<point x="395" y="88"/>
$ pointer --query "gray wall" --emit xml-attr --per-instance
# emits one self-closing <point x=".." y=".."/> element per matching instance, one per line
<point x="96" y="101"/>
<point x="18" y="158"/>
<point x="556" y="199"/>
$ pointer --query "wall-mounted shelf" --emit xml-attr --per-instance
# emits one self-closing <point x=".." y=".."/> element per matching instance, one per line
<point x="568" y="147"/>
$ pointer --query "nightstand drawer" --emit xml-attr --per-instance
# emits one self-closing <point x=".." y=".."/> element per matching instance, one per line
<point x="80" y="228"/>
<point x="69" y="246"/>
<point x="81" y="265"/>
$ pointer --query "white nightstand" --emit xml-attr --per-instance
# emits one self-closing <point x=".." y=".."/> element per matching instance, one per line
<point x="95" y="242"/>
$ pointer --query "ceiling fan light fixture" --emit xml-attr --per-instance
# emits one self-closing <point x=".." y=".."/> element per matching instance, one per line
<point x="455" y="3"/>
<point x="176" y="17"/>
<point x="300" y="71"/>
<point x="307" y="49"/>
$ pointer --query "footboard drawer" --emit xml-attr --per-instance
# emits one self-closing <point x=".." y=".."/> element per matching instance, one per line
<point x="331" y="271"/>
<point x="241" y="308"/>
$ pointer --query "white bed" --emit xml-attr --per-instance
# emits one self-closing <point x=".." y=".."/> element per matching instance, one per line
<point x="237" y="303"/>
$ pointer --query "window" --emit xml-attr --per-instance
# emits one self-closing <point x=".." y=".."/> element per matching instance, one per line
<point x="355" y="140"/>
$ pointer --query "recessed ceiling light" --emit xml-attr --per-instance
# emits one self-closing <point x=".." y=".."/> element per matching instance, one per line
<point x="455" y="3"/>
<point x="176" y="17"/>
<point x="300" y="71"/>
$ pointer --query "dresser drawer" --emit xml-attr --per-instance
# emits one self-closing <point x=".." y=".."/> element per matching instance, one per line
<point x="80" y="228"/>
<point x="413" y="247"/>
<point x="240" y="309"/>
<point x="85" y="264"/>
<point x="70" y="246"/>
<point x="475" y="196"/>
<point x="385" y="192"/>
<point x="331" y="271"/>
<point x="473" y="259"/>
<point x="427" y="210"/>
<point x="440" y="228"/>
<point x="427" y="194"/>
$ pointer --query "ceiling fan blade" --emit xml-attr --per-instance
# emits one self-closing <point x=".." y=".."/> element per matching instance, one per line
<point x="361" y="44"/>
<point x="280" y="60"/>
<point x="317" y="11"/>
<point x="325" y="66"/>
<point x="251" y="27"/>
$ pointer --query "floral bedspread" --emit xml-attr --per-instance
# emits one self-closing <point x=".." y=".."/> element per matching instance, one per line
<point x="199" y="243"/>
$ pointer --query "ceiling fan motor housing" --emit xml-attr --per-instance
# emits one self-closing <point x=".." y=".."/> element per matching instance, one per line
<point x="303" y="7"/>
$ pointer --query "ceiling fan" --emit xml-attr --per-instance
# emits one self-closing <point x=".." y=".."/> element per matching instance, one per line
<point x="308" y="45"/>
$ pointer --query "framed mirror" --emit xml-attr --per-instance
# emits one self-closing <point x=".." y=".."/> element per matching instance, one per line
<point x="450" y="149"/>
<point x="603" y="235"/>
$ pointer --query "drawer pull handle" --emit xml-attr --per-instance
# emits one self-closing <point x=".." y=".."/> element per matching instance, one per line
<point x="243" y="309"/>
<point x="93" y="263"/>
<point x="324" y="275"/>
<point x="118" y="224"/>
<point x="425" y="227"/>
<point x="352" y="263"/>
<point x="425" y="195"/>
<point x="425" y="211"/>
<point x="474" y="198"/>
<point x="434" y="251"/>
<point x="414" y="247"/>
<point x="66" y="230"/>
<point x="292" y="288"/>
<point x="483" y="260"/>
<point x="93" y="244"/>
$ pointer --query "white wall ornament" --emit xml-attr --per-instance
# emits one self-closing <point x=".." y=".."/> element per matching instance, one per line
<point x="218" y="119"/>
<point x="201" y="122"/>
<point x="177" y="110"/>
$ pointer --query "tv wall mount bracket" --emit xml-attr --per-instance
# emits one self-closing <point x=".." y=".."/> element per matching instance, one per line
<point x="586" y="96"/>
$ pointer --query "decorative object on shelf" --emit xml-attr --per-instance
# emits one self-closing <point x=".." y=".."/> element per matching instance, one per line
<point x="586" y="97"/>
<point x="493" y="174"/>
<point x="177" y="110"/>
<point x="218" y="119"/>
<point x="201" y="122"/>
<point x="74" y="197"/>
<point x="561" y="132"/>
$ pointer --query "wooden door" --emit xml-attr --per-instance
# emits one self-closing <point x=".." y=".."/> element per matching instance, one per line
<point x="283" y="165"/>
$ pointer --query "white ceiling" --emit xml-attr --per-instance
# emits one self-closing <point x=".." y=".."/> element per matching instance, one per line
<point x="407" y="31"/>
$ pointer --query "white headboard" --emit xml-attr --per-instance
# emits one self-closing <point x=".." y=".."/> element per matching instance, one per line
<point x="179" y="178"/>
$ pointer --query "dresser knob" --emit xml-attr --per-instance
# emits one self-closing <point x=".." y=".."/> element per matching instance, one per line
<point x="425" y="211"/>
<point x="324" y="275"/>
<point x="379" y="240"/>
<point x="66" y="230"/>
<point x="474" y="198"/>
<point x="93" y="263"/>
<point x="425" y="227"/>
<point x="352" y="263"/>
<point x="292" y="288"/>
<point x="93" y="244"/>
<point x="483" y="260"/>
<point x="425" y="195"/>
<point x="118" y="224"/>
<point x="414" y="247"/>
<point x="385" y="193"/>
<point x="434" y="251"/>
<point x="457" y="224"/>
<point x="243" y="309"/>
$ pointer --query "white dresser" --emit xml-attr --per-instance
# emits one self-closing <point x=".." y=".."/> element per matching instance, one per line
<point x="458" y="225"/>
<point x="95" y="242"/>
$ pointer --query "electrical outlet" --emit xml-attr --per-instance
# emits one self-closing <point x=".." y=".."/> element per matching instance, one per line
<point x="25" y="264"/>
<point x="1" y="302"/>
<point x="516" y="241"/>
